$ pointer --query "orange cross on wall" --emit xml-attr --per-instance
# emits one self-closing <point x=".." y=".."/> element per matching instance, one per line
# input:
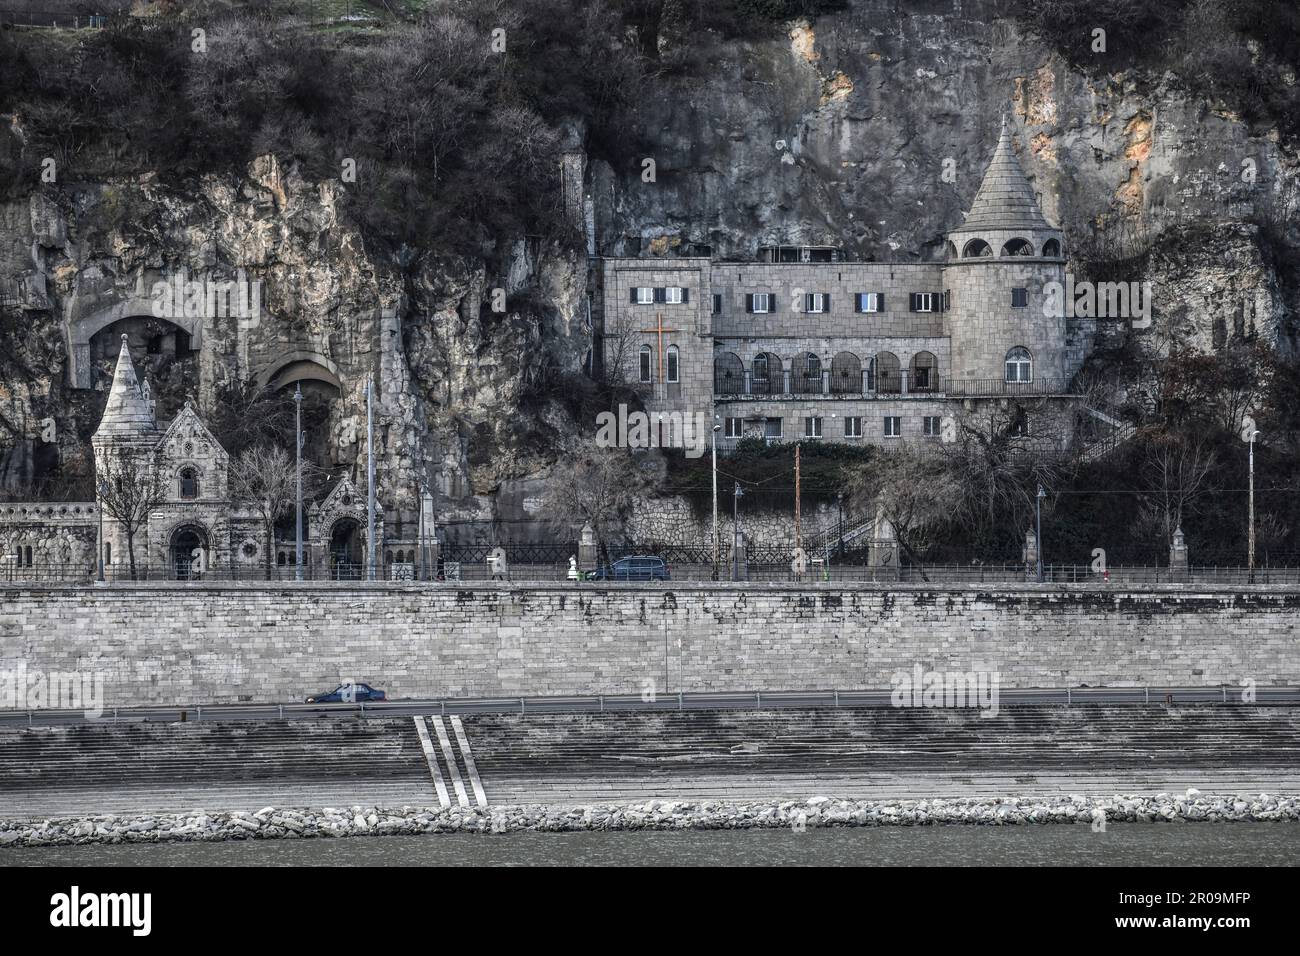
<point x="659" y="328"/>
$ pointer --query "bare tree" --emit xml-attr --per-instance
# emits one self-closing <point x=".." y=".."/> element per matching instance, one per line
<point x="998" y="467"/>
<point x="620" y="356"/>
<point x="595" y="486"/>
<point x="1175" y="470"/>
<point x="263" y="479"/>
<point x="913" y="489"/>
<point x="130" y="486"/>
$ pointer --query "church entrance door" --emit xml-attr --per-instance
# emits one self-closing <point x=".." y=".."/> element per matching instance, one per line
<point x="188" y="552"/>
<point x="345" y="550"/>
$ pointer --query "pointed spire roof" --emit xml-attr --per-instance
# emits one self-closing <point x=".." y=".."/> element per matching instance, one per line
<point x="1005" y="199"/>
<point x="127" y="414"/>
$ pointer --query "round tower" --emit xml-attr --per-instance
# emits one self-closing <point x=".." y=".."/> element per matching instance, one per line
<point x="999" y="264"/>
<point x="127" y="432"/>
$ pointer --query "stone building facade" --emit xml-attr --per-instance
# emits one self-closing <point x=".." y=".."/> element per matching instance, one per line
<point x="195" y="527"/>
<point x="804" y="346"/>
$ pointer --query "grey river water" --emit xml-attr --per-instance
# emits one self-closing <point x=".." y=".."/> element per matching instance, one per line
<point x="1133" y="844"/>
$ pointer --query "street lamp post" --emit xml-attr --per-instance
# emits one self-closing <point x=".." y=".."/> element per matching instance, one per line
<point x="370" y="477"/>
<point x="839" y="503"/>
<point x="99" y="507"/>
<point x="298" y="436"/>
<point x="735" y="521"/>
<point x="717" y="544"/>
<point x="1038" y="534"/>
<point x="1250" y="531"/>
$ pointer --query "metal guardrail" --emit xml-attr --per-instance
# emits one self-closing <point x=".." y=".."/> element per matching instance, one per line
<point x="1222" y="695"/>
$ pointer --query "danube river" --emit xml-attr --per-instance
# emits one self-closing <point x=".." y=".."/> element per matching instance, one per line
<point x="1122" y="844"/>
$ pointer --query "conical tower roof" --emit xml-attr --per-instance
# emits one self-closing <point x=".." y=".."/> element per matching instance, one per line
<point x="1005" y="199"/>
<point x="127" y="414"/>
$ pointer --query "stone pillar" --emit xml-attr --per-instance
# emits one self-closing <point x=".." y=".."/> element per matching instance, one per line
<point x="739" y="558"/>
<point x="428" y="537"/>
<point x="1178" y="557"/>
<point x="883" y="552"/>
<point x="1031" y="555"/>
<point x="588" y="556"/>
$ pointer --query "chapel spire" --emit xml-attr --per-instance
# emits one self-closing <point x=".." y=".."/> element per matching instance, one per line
<point x="127" y="413"/>
<point x="1005" y="199"/>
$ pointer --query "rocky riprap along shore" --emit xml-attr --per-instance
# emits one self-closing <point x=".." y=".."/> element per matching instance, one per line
<point x="273" y="823"/>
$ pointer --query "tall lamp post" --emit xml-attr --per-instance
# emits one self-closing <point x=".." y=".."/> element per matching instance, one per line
<point x="370" y="478"/>
<point x="1250" y="531"/>
<point x="298" y="436"/>
<point x="717" y="544"/>
<point x="99" y="507"/>
<point x="839" y="502"/>
<point x="1038" y="533"/>
<point x="735" y="521"/>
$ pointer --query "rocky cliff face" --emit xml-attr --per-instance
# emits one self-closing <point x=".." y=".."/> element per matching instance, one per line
<point x="867" y="129"/>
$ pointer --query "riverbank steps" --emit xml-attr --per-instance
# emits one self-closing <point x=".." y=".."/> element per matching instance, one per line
<point x="282" y="823"/>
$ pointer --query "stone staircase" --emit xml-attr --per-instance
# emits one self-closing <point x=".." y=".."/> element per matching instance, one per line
<point x="1120" y="432"/>
<point x="865" y="753"/>
<point x="883" y="753"/>
<point x="112" y="768"/>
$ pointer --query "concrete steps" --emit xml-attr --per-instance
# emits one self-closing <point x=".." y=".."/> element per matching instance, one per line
<point x="689" y="755"/>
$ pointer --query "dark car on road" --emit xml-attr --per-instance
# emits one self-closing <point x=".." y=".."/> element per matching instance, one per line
<point x="639" y="567"/>
<point x="348" y="694"/>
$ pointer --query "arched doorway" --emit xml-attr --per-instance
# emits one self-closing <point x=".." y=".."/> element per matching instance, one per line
<point x="188" y="552"/>
<point x="345" y="549"/>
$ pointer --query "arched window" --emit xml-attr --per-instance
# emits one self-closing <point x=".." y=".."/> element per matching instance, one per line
<point x="1017" y="247"/>
<point x="1051" y="249"/>
<point x="728" y="374"/>
<point x="29" y="555"/>
<point x="951" y="249"/>
<point x="1020" y="367"/>
<point x="976" y="249"/>
<point x="925" y="372"/>
<point x="806" y="374"/>
<point x="388" y="557"/>
<point x="646" y="364"/>
<point x="108" y="552"/>
<point x="888" y="372"/>
<point x="672" y="371"/>
<point x="189" y="483"/>
<point x="281" y="559"/>
<point x="768" y="374"/>
<point x="846" y="374"/>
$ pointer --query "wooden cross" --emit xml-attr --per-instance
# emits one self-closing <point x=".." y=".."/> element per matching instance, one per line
<point x="659" y="328"/>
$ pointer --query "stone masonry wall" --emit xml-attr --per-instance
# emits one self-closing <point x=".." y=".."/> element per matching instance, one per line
<point x="208" y="643"/>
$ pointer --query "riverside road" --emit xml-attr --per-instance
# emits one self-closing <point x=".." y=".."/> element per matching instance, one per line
<point x="700" y="700"/>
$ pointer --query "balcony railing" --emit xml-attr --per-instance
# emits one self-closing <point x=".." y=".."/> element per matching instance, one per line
<point x="859" y="384"/>
<point x="887" y="385"/>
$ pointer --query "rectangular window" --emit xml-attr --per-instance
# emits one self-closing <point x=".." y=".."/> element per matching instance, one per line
<point x="932" y="426"/>
<point x="676" y="295"/>
<point x="816" y="302"/>
<point x="893" y="426"/>
<point x="812" y="427"/>
<point x="772" y="429"/>
<point x="717" y="303"/>
<point x="853" y="426"/>
<point x="643" y="295"/>
<point x="947" y="300"/>
<point x="661" y="295"/>
<point x="1019" y="298"/>
<point x="922" y="301"/>
<point x="733" y="427"/>
<point x="869" y="302"/>
<point x="645" y="364"/>
<point x="758" y="302"/>
<point x="671" y="371"/>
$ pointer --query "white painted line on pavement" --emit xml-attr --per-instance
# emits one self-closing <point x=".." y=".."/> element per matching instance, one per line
<point x="447" y="752"/>
<point x="432" y="760"/>
<point x="468" y="757"/>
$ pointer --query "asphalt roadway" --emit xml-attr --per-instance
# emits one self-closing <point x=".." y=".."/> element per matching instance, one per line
<point x="703" y="700"/>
